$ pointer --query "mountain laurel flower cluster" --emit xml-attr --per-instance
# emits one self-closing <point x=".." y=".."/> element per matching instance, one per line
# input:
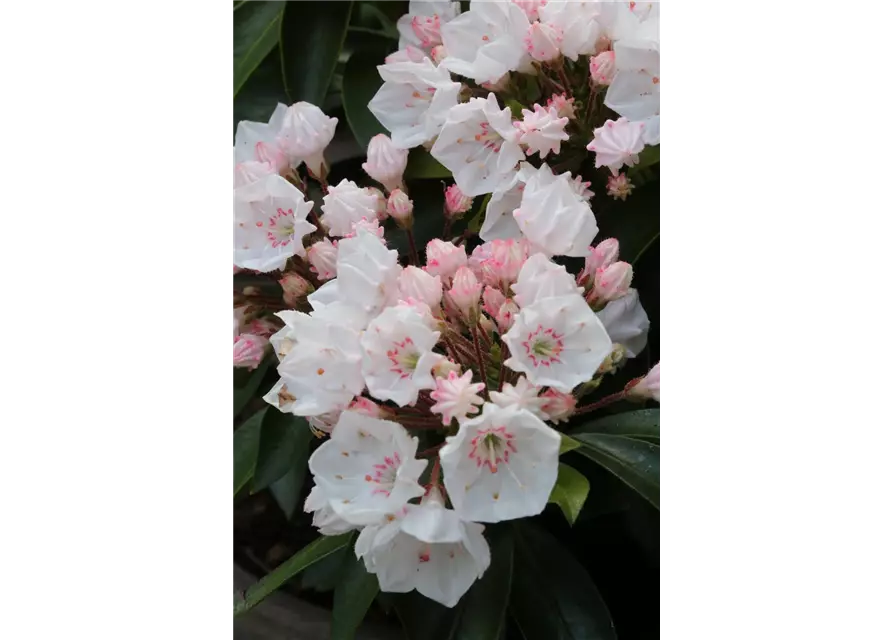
<point x="439" y="371"/>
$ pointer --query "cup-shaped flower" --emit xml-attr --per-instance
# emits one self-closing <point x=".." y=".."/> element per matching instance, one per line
<point x="635" y="90"/>
<point x="578" y="24"/>
<point x="617" y="143"/>
<point x="367" y="272"/>
<point x="627" y="323"/>
<point x="256" y="141"/>
<point x="346" y="204"/>
<point x="541" y="278"/>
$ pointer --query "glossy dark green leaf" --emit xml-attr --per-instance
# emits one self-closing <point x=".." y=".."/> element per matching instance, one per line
<point x="424" y="619"/>
<point x="243" y="395"/>
<point x="634" y="222"/>
<point x="327" y="573"/>
<point x="567" y="444"/>
<point x="553" y="597"/>
<point x="477" y="221"/>
<point x="311" y="37"/>
<point x="643" y="424"/>
<point x="569" y="492"/>
<point x="353" y="595"/>
<point x="246" y="440"/>
<point x="361" y="82"/>
<point x="428" y="219"/>
<point x="635" y="462"/>
<point x="282" y="435"/>
<point x="486" y="603"/>
<point x="263" y="91"/>
<point x="312" y="553"/>
<point x="422" y="164"/>
<point x="255" y="33"/>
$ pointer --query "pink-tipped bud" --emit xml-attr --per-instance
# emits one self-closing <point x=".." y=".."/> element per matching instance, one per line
<point x="322" y="256"/>
<point x="563" y="105"/>
<point x="438" y="53"/>
<point x="381" y="203"/>
<point x="427" y="29"/>
<point x="543" y="41"/>
<point x="444" y="366"/>
<point x="505" y="318"/>
<point x="366" y="407"/>
<point x="457" y="202"/>
<point x="385" y="162"/>
<point x="248" y="350"/>
<point x="444" y="258"/>
<point x="602" y="255"/>
<point x="619" y="186"/>
<point x="559" y="406"/>
<point x="612" y="282"/>
<point x="465" y="293"/>
<point x="602" y="68"/>
<point x="400" y="208"/>
<point x="420" y="285"/>
<point x="531" y="8"/>
<point x="493" y="300"/>
<point x="646" y="388"/>
<point x="294" y="288"/>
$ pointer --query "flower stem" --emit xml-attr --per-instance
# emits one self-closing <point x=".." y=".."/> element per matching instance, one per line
<point x="502" y="367"/>
<point x="446" y="229"/>
<point x="413" y="253"/>
<point x="614" y="397"/>
<point x="434" y="449"/>
<point x="483" y="370"/>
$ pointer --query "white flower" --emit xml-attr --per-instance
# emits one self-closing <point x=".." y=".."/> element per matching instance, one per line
<point x="577" y="22"/>
<point x="417" y="284"/>
<point x="444" y="258"/>
<point x="322" y="256"/>
<point x="385" y="162"/>
<point x="346" y="204"/>
<point x="557" y="342"/>
<point x="651" y="135"/>
<point x="543" y="41"/>
<point x="627" y="323"/>
<point x="257" y="141"/>
<point x="487" y="41"/>
<point x="648" y="387"/>
<point x="501" y="465"/>
<point x="553" y="217"/>
<point x="398" y="356"/>
<point x="414" y="101"/>
<point x="250" y="171"/>
<point x="531" y="7"/>
<point x="305" y="133"/>
<point x="269" y="223"/>
<point x="325" y="422"/>
<point x="522" y="395"/>
<point x="617" y="143"/>
<point x="602" y="68"/>
<point x="320" y="360"/>
<point x="367" y="272"/>
<point x="367" y="469"/>
<point x="541" y="278"/>
<point x="425" y="547"/>
<point x="408" y="53"/>
<point x="499" y="223"/>
<point x="635" y="91"/>
<point x="542" y="130"/>
<point x="479" y="145"/>
<point x="456" y="396"/>
<point x="421" y="26"/>
<point x="324" y="517"/>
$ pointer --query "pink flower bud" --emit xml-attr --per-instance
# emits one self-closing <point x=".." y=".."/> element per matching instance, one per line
<point x="416" y="283"/>
<point x="493" y="299"/>
<point x="604" y="254"/>
<point x="406" y="54"/>
<point x="612" y="282"/>
<point x="427" y="29"/>
<point x="563" y="105"/>
<point x="505" y="318"/>
<point x="444" y="258"/>
<point x="457" y="202"/>
<point x="385" y="162"/>
<point x="444" y="366"/>
<point x="294" y="287"/>
<point x="646" y="388"/>
<point x="465" y="293"/>
<point x="381" y="203"/>
<point x="602" y="68"/>
<point x="366" y="407"/>
<point x="248" y="350"/>
<point x="438" y="53"/>
<point x="531" y="7"/>
<point x="619" y="186"/>
<point x="498" y="262"/>
<point x="543" y="41"/>
<point x="559" y="406"/>
<point x="400" y="208"/>
<point x="322" y="256"/>
<point x="262" y="327"/>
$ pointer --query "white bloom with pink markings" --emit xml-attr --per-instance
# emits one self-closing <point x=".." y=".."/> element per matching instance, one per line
<point x="457" y="396"/>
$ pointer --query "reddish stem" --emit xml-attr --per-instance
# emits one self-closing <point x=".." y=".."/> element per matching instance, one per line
<point x="413" y="253"/>
<point x="614" y="397"/>
<point x="434" y="449"/>
<point x="483" y="369"/>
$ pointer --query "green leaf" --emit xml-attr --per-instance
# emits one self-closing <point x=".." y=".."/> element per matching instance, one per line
<point x="635" y="223"/>
<point x="255" y="33"/>
<point x="424" y="619"/>
<point x="312" y="553"/>
<point x="516" y="108"/>
<point x="243" y="395"/>
<point x="477" y="221"/>
<point x="361" y="82"/>
<point x="570" y="492"/>
<point x="280" y="436"/>
<point x="246" y="440"/>
<point x="635" y="462"/>
<point x="485" y="604"/>
<point x="311" y="37"/>
<point x="422" y="164"/>
<point x="567" y="444"/>
<point x="553" y="597"/>
<point x="261" y="93"/>
<point x="327" y="573"/>
<point x="353" y="596"/>
<point x="643" y="424"/>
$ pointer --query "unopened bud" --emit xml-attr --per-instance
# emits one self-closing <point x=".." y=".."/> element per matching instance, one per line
<point x="619" y="186"/>
<point x="248" y="350"/>
<point x="506" y="316"/>
<point x="612" y="282"/>
<point x="604" y="254"/>
<point x="602" y="68"/>
<point x="381" y="203"/>
<point x="543" y="41"/>
<point x="400" y="208"/>
<point x="456" y="202"/>
<point x="294" y="287"/>
<point x="493" y="300"/>
<point x="465" y="293"/>
<point x="385" y="162"/>
<point x="647" y="387"/>
<point x="558" y="406"/>
<point x="438" y="53"/>
<point x="322" y="256"/>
